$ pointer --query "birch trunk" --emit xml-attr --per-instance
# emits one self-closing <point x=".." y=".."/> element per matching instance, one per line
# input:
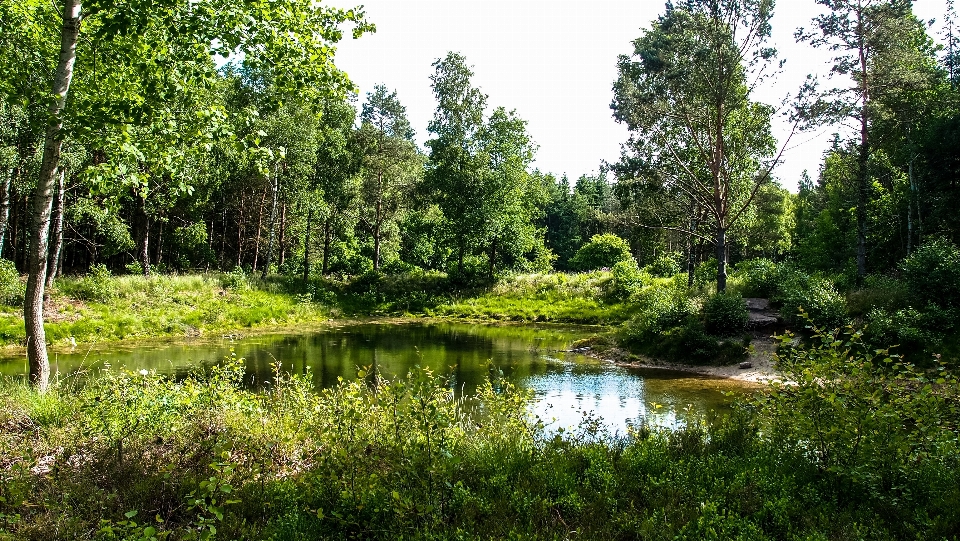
<point x="53" y="268"/>
<point x="43" y="201"/>
<point x="274" y="196"/>
<point x="5" y="196"/>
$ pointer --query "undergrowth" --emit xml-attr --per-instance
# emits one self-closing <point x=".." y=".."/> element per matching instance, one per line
<point x="139" y="456"/>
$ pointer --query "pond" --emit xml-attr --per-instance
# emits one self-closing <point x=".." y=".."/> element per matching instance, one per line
<point x="568" y="387"/>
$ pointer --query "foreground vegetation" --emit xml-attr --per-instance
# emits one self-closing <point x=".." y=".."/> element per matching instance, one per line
<point x="861" y="447"/>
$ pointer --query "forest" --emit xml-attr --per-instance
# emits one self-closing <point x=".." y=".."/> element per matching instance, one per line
<point x="212" y="156"/>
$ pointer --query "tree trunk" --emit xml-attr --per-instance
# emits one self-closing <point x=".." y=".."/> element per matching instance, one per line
<point x="306" y="245"/>
<point x="57" y="231"/>
<point x="6" y="186"/>
<point x="863" y="158"/>
<point x="256" y="244"/>
<point x="281" y="240"/>
<point x="721" y="259"/>
<point x="493" y="258"/>
<point x="274" y="196"/>
<point x="143" y="242"/>
<point x="326" y="246"/>
<point x="240" y="232"/>
<point x="377" y="222"/>
<point x="691" y="263"/>
<point x="43" y="201"/>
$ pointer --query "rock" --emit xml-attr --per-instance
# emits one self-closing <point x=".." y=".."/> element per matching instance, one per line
<point x="746" y="364"/>
<point x="757" y="305"/>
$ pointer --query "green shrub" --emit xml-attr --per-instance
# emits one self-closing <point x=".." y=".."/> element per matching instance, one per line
<point x="705" y="273"/>
<point x="875" y="428"/>
<point x="878" y="291"/>
<point x="235" y="279"/>
<point x="12" y="287"/>
<point x="96" y="286"/>
<point x="660" y="309"/>
<point x="628" y="279"/>
<point x="932" y="274"/>
<point x="825" y="307"/>
<point x="665" y="265"/>
<point x="602" y="251"/>
<point x="191" y="247"/>
<point x="759" y="277"/>
<point x="725" y="314"/>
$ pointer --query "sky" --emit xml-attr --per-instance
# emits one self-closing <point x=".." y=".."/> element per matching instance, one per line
<point x="554" y="62"/>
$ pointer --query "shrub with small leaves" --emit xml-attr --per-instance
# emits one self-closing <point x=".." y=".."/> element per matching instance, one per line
<point x="235" y="279"/>
<point x="11" y="287"/>
<point x="759" y="277"/>
<point x="725" y="314"/>
<point x="602" y="251"/>
<point x="96" y="286"/>
<point x="627" y="280"/>
<point x="665" y="265"/>
<point x="932" y="274"/>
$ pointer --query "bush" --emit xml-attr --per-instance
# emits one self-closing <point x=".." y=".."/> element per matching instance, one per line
<point x="725" y="314"/>
<point x="932" y="274"/>
<point x="759" y="277"/>
<point x="627" y="280"/>
<point x="191" y="247"/>
<point x="665" y="265"/>
<point x="817" y="297"/>
<point x="875" y="428"/>
<point x="235" y="279"/>
<point x="12" y="288"/>
<point x="602" y="251"/>
<point x="705" y="273"/>
<point x="96" y="286"/>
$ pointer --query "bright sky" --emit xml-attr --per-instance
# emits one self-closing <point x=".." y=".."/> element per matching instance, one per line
<point x="555" y="62"/>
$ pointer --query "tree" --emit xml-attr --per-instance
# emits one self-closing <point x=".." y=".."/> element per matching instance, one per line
<point x="512" y="197"/>
<point x="163" y="44"/>
<point x="860" y="32"/>
<point x="391" y="163"/>
<point x="456" y="164"/>
<point x="685" y="96"/>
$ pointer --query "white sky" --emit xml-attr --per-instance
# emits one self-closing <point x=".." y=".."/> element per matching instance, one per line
<point x="555" y="62"/>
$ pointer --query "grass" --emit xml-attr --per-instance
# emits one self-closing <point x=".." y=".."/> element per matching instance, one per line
<point x="554" y="297"/>
<point x="124" y="307"/>
<point x="137" y="456"/>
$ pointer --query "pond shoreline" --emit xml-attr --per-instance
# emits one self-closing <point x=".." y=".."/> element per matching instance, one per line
<point x="762" y="368"/>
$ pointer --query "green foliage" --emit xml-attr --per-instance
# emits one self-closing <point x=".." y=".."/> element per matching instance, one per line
<point x="665" y="265"/>
<point x="759" y="277"/>
<point x="11" y="286"/>
<point x="191" y="245"/>
<point x="932" y="274"/>
<point x="628" y="279"/>
<point x="816" y="296"/>
<point x="873" y="427"/>
<point x="95" y="286"/>
<point x="603" y="251"/>
<point x="725" y="314"/>
<point x="235" y="279"/>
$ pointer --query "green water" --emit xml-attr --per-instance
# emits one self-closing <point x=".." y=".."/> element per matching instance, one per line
<point x="568" y="386"/>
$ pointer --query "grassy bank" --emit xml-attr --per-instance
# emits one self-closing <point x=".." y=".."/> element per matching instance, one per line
<point x="104" y="308"/>
<point x="136" y="456"/>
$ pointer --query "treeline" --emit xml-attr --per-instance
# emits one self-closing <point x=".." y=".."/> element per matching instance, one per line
<point x="246" y="174"/>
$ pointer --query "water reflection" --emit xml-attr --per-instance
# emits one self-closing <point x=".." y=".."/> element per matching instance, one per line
<point x="567" y="386"/>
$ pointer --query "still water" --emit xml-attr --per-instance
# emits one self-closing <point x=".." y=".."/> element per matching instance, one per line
<point x="568" y="387"/>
